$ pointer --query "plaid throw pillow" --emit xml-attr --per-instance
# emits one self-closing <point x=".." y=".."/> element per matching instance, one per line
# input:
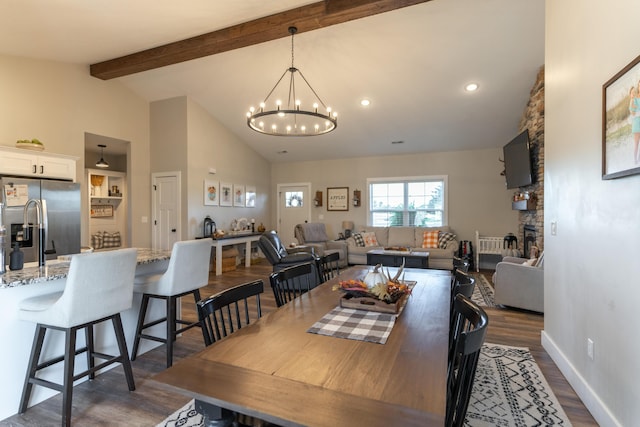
<point x="370" y="239"/>
<point x="111" y="240"/>
<point x="430" y="239"/>
<point x="359" y="239"/>
<point x="444" y="239"/>
<point x="96" y="240"/>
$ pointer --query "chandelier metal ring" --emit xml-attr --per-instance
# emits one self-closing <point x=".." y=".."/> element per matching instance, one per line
<point x="292" y="120"/>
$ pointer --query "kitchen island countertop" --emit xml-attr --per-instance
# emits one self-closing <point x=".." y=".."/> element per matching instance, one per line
<point x="58" y="269"/>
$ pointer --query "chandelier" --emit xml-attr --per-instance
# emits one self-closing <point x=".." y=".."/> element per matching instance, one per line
<point x="291" y="119"/>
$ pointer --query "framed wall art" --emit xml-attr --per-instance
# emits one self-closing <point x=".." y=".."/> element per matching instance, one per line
<point x="226" y="194"/>
<point x="250" y="201"/>
<point x="211" y="193"/>
<point x="621" y="123"/>
<point x="338" y="198"/>
<point x="238" y="195"/>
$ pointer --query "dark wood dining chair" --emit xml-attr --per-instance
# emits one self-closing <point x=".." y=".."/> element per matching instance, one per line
<point x="463" y="283"/>
<point x="291" y="282"/>
<point x="469" y="331"/>
<point x="227" y="311"/>
<point x="221" y="315"/>
<point x="460" y="264"/>
<point x="328" y="266"/>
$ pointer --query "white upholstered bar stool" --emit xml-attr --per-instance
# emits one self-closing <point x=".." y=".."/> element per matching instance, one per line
<point x="98" y="288"/>
<point x="187" y="272"/>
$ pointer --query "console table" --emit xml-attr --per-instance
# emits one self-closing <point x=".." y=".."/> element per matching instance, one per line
<point x="395" y="258"/>
<point x="233" y="239"/>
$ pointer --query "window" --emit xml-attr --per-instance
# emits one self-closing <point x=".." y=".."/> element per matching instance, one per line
<point x="294" y="199"/>
<point x="413" y="201"/>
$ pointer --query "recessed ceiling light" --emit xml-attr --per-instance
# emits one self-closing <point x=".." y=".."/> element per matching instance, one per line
<point x="365" y="102"/>
<point x="397" y="142"/>
<point x="471" y="87"/>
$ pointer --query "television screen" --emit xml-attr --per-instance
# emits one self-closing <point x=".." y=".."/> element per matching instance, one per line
<point x="517" y="161"/>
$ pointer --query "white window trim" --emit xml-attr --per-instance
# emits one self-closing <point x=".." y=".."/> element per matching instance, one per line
<point x="445" y="197"/>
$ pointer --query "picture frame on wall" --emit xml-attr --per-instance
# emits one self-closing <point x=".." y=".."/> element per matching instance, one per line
<point x="226" y="194"/>
<point x="238" y="195"/>
<point x="621" y="123"/>
<point x="338" y="198"/>
<point x="211" y="193"/>
<point x="250" y="201"/>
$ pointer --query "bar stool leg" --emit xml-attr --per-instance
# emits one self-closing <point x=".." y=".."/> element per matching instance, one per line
<point x="36" y="350"/>
<point x="171" y="328"/>
<point x="67" y="385"/>
<point x="124" y="354"/>
<point x="88" y="333"/>
<point x="141" y="316"/>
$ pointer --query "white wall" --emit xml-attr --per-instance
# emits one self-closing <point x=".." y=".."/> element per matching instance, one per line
<point x="478" y="198"/>
<point x="186" y="138"/>
<point x="591" y="281"/>
<point x="211" y="145"/>
<point x="57" y="103"/>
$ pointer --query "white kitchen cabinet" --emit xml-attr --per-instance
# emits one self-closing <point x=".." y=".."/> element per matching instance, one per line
<point x="20" y="162"/>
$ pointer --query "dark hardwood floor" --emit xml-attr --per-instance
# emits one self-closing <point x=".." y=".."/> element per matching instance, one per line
<point x="106" y="401"/>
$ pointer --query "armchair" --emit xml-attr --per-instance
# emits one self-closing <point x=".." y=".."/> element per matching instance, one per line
<point x="518" y="284"/>
<point x="314" y="234"/>
<point x="279" y="256"/>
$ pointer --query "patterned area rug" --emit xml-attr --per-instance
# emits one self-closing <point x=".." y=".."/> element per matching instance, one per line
<point x="510" y="390"/>
<point x="483" y="292"/>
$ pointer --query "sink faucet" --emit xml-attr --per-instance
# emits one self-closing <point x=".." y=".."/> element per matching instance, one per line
<point x="40" y="222"/>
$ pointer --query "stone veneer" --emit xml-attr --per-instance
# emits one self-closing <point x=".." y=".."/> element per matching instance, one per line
<point x="533" y="119"/>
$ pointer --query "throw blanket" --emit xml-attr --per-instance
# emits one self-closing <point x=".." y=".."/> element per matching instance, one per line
<point x="311" y="232"/>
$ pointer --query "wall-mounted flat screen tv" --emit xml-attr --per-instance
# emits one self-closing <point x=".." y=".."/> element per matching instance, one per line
<point x="517" y="161"/>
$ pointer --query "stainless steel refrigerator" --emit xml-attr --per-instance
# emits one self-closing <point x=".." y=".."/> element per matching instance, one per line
<point x="61" y="219"/>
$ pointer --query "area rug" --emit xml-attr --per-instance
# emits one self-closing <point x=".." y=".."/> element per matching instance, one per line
<point x="483" y="291"/>
<point x="510" y="390"/>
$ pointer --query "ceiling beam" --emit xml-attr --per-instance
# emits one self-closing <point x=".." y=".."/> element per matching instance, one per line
<point x="306" y="18"/>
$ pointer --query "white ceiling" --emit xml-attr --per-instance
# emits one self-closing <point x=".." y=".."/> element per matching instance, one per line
<point x="412" y="63"/>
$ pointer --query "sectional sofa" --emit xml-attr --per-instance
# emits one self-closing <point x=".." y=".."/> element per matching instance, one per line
<point x="440" y="257"/>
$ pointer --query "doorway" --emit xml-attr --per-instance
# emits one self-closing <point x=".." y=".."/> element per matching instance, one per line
<point x="294" y="207"/>
<point x="166" y="208"/>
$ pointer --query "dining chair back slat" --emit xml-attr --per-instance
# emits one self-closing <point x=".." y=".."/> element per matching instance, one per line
<point x="291" y="282"/>
<point x="328" y="266"/>
<point x="230" y="310"/>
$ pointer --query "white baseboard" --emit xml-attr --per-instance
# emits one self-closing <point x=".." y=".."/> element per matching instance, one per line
<point x="591" y="400"/>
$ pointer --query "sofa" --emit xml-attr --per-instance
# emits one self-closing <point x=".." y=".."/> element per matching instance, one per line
<point x="441" y="243"/>
<point x="314" y="235"/>
<point x="519" y="283"/>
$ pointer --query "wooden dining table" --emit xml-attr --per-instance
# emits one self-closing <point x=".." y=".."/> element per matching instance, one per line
<point x="277" y="371"/>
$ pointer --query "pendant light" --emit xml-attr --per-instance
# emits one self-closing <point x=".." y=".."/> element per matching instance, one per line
<point x="102" y="163"/>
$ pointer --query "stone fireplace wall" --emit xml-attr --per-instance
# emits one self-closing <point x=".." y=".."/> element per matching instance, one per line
<point x="533" y="119"/>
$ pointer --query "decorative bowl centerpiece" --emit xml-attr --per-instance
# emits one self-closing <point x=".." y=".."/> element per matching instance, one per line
<point x="30" y="144"/>
<point x="377" y="291"/>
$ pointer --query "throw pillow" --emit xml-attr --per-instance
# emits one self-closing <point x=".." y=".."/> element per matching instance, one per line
<point x="430" y="239"/>
<point x="359" y="239"/>
<point x="444" y="238"/>
<point x="96" y="240"/>
<point x="530" y="262"/>
<point x="370" y="238"/>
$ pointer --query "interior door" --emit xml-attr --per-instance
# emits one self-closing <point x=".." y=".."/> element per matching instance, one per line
<point x="294" y="207"/>
<point x="166" y="210"/>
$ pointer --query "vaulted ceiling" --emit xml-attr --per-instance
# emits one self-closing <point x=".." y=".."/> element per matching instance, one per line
<point x="411" y="62"/>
